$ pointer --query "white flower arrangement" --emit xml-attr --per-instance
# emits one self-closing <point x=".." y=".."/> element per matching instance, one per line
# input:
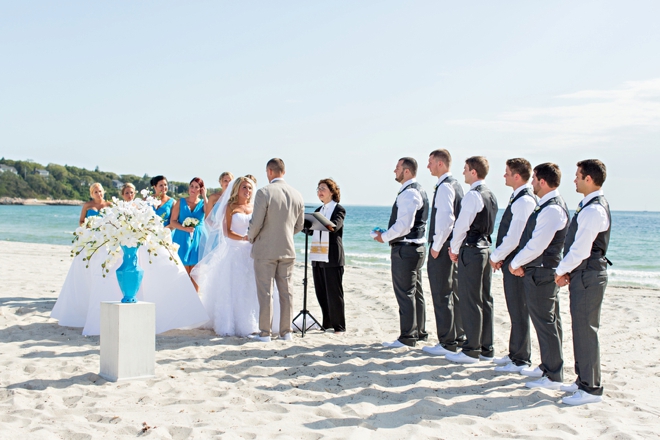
<point x="128" y="224"/>
<point x="190" y="222"/>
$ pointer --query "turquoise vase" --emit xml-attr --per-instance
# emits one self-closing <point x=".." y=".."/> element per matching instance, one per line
<point x="129" y="274"/>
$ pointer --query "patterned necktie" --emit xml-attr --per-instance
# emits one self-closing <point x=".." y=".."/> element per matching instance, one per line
<point x="511" y="198"/>
<point x="579" y="208"/>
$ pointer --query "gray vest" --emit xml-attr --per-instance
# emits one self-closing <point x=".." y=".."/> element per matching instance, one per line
<point x="596" y="260"/>
<point x="419" y="226"/>
<point x="505" y="222"/>
<point x="458" y="191"/>
<point x="551" y="256"/>
<point x="482" y="226"/>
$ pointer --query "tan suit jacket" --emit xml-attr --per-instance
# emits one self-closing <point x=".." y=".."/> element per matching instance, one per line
<point x="279" y="212"/>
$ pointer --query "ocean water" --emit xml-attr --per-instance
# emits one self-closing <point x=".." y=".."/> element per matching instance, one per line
<point x="634" y="243"/>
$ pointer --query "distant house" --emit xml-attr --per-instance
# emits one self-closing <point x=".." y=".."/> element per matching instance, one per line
<point x="117" y="184"/>
<point x="42" y="173"/>
<point x="4" y="168"/>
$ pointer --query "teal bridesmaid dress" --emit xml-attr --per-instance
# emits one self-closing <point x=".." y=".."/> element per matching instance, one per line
<point x="189" y="243"/>
<point x="165" y="211"/>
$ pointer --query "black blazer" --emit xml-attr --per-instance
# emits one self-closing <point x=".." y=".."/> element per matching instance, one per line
<point x="336" y="246"/>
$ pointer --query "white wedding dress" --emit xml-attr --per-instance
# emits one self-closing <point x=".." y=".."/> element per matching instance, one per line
<point x="225" y="276"/>
<point x="164" y="283"/>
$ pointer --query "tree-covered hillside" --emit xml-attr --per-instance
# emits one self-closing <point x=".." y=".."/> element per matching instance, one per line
<point x="66" y="182"/>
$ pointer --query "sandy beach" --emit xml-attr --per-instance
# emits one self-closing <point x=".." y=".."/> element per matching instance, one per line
<point x="322" y="386"/>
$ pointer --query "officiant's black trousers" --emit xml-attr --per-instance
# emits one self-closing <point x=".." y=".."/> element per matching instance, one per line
<point x="407" y="262"/>
<point x="587" y="290"/>
<point x="520" y="342"/>
<point x="476" y="301"/>
<point x="330" y="294"/>
<point x="443" y="279"/>
<point x="543" y="305"/>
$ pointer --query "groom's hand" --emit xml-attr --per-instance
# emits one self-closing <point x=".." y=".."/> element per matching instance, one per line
<point x="378" y="237"/>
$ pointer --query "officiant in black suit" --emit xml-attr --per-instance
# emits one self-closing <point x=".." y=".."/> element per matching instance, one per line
<point x="327" y="256"/>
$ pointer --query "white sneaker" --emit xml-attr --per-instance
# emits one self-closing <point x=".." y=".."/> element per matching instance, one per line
<point x="258" y="338"/>
<point x="581" y="397"/>
<point x="438" y="350"/>
<point x="571" y="388"/>
<point x="461" y="358"/>
<point x="509" y="368"/>
<point x="394" y="344"/>
<point x="502" y="360"/>
<point x="486" y="358"/>
<point x="532" y="372"/>
<point x="544" y="382"/>
<point x="287" y="337"/>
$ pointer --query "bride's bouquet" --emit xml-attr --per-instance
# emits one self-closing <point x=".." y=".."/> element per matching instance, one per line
<point x="129" y="224"/>
<point x="190" y="222"/>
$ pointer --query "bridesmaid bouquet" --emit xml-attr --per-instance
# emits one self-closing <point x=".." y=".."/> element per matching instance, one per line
<point x="190" y="222"/>
<point x="130" y="224"/>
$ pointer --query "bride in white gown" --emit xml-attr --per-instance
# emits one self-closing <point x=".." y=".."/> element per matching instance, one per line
<point x="225" y="273"/>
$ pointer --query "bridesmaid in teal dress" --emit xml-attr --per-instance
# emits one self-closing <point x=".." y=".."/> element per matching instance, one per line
<point x="92" y="208"/>
<point x="164" y="210"/>
<point x="188" y="238"/>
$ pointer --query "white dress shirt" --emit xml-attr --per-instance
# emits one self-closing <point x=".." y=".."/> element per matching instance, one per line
<point x="550" y="220"/>
<point x="591" y="220"/>
<point x="276" y="179"/>
<point x="408" y="203"/>
<point x="520" y="210"/>
<point x="471" y="205"/>
<point x="444" y="215"/>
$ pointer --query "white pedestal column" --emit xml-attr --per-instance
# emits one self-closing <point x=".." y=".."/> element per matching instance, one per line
<point x="128" y="340"/>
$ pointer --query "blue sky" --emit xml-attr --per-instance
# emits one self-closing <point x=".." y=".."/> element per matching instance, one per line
<point x="337" y="89"/>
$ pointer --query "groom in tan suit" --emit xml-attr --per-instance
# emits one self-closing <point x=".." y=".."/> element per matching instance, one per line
<point x="278" y="215"/>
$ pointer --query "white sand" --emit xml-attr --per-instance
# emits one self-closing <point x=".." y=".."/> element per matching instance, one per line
<point x="319" y="386"/>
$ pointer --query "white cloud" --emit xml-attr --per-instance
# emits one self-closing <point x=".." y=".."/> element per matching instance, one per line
<point x="587" y="117"/>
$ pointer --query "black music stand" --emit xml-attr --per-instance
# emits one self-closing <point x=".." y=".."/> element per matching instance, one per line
<point x="314" y="221"/>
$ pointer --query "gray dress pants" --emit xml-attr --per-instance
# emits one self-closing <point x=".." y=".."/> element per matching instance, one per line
<point x="476" y="301"/>
<point x="520" y="343"/>
<point x="407" y="262"/>
<point x="587" y="289"/>
<point x="543" y="305"/>
<point x="443" y="279"/>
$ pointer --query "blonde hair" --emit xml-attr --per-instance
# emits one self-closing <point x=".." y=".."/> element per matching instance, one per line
<point x="95" y="185"/>
<point x="233" y="198"/>
<point x="226" y="173"/>
<point x="127" y="185"/>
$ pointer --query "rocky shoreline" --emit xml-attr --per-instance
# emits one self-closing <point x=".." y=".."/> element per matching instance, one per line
<point x="38" y="202"/>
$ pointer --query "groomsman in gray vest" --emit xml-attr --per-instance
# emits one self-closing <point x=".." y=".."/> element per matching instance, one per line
<point x="539" y="253"/>
<point x="470" y="248"/>
<point x="442" y="272"/>
<point x="521" y="205"/>
<point x="583" y="269"/>
<point x="406" y="236"/>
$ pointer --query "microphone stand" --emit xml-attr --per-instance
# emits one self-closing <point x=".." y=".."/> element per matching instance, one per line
<point x="304" y="312"/>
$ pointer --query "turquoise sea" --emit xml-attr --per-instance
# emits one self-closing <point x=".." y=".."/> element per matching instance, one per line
<point x="634" y="245"/>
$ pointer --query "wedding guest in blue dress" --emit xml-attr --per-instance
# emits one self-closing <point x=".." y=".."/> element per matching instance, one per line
<point x="128" y="192"/>
<point x="224" y="180"/>
<point x="164" y="210"/>
<point x="184" y="211"/>
<point x="97" y="203"/>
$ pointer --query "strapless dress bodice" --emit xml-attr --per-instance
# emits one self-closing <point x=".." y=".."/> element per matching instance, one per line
<point x="240" y="223"/>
